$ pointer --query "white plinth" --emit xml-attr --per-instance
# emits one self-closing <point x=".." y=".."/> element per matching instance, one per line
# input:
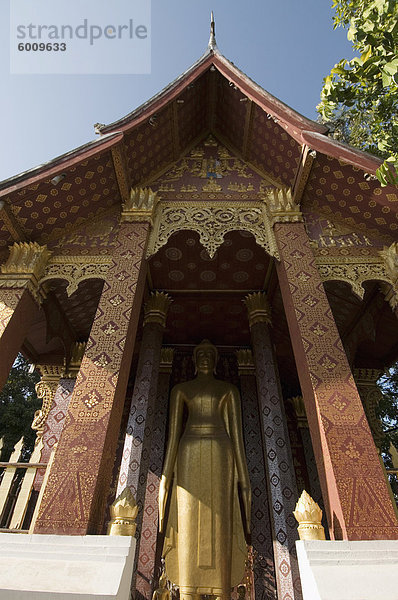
<point x="365" y="570"/>
<point x="44" y="567"/>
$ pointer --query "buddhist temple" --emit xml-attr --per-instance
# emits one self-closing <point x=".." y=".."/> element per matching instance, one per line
<point x="213" y="211"/>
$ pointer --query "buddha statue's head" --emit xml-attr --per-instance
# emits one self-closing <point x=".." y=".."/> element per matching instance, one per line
<point x="205" y="357"/>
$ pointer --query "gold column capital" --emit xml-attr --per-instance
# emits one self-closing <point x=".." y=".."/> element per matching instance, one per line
<point x="24" y="267"/>
<point x="45" y="389"/>
<point x="299" y="409"/>
<point x="367" y="376"/>
<point x="77" y="353"/>
<point x="166" y="360"/>
<point x="258" y="308"/>
<point x="140" y="207"/>
<point x="245" y="361"/>
<point x="309" y="517"/>
<point x="155" y="309"/>
<point x="123" y="511"/>
<point x="281" y="206"/>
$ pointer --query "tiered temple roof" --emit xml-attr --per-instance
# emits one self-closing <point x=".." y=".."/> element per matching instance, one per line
<point x="212" y="126"/>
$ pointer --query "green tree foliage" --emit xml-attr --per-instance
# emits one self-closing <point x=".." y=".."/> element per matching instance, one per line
<point x="18" y="403"/>
<point x="360" y="96"/>
<point x="388" y="407"/>
<point x="388" y="412"/>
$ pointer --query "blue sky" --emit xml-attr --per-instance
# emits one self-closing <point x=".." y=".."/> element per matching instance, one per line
<point x="286" y="46"/>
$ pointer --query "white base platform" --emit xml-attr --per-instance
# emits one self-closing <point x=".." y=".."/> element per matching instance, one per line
<point x="44" y="567"/>
<point x="364" y="570"/>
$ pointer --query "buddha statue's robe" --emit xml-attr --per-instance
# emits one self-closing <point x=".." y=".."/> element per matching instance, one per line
<point x="204" y="548"/>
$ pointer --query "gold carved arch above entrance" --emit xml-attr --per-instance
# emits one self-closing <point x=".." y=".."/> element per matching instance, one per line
<point x="75" y="269"/>
<point x="212" y="220"/>
<point x="353" y="270"/>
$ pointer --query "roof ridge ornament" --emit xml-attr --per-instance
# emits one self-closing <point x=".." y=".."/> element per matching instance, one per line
<point x="212" y="41"/>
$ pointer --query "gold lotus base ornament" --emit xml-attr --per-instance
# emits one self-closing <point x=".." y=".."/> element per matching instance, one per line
<point x="309" y="516"/>
<point x="123" y="511"/>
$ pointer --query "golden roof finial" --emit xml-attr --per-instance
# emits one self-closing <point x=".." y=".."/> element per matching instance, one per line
<point x="212" y="41"/>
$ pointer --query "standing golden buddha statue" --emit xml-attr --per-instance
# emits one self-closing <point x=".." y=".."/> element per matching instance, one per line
<point x="204" y="546"/>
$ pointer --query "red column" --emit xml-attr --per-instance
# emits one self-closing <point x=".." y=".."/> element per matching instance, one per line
<point x="19" y="299"/>
<point x="55" y="387"/>
<point x="74" y="501"/>
<point x="354" y="489"/>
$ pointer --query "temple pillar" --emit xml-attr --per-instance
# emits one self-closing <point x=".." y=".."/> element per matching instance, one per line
<point x="144" y="396"/>
<point x="310" y="463"/>
<point x="74" y="500"/>
<point x="19" y="299"/>
<point x="137" y="445"/>
<point x="370" y="393"/>
<point x="278" y="459"/>
<point x="148" y="560"/>
<point x="353" y="486"/>
<point x="55" y="387"/>
<point x="261" y="531"/>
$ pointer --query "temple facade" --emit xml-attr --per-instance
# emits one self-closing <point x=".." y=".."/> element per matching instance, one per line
<point x="212" y="211"/>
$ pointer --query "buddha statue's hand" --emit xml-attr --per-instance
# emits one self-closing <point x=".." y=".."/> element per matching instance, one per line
<point x="163" y="493"/>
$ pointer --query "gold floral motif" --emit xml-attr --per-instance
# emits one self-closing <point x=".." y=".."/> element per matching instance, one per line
<point x="258" y="308"/>
<point x="110" y="329"/>
<point x="155" y="309"/>
<point x="166" y="359"/>
<point x="102" y="361"/>
<point x="212" y="220"/>
<point x="310" y="301"/>
<point x="92" y="400"/>
<point x="245" y="361"/>
<point x="352" y="451"/>
<point x="319" y="331"/>
<point x="116" y="300"/>
<point x="24" y="267"/>
<point x="140" y="206"/>
<point x="281" y="206"/>
<point x="328" y="364"/>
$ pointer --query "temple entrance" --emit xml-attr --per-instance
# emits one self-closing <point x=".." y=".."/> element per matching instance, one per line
<point x="208" y="302"/>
